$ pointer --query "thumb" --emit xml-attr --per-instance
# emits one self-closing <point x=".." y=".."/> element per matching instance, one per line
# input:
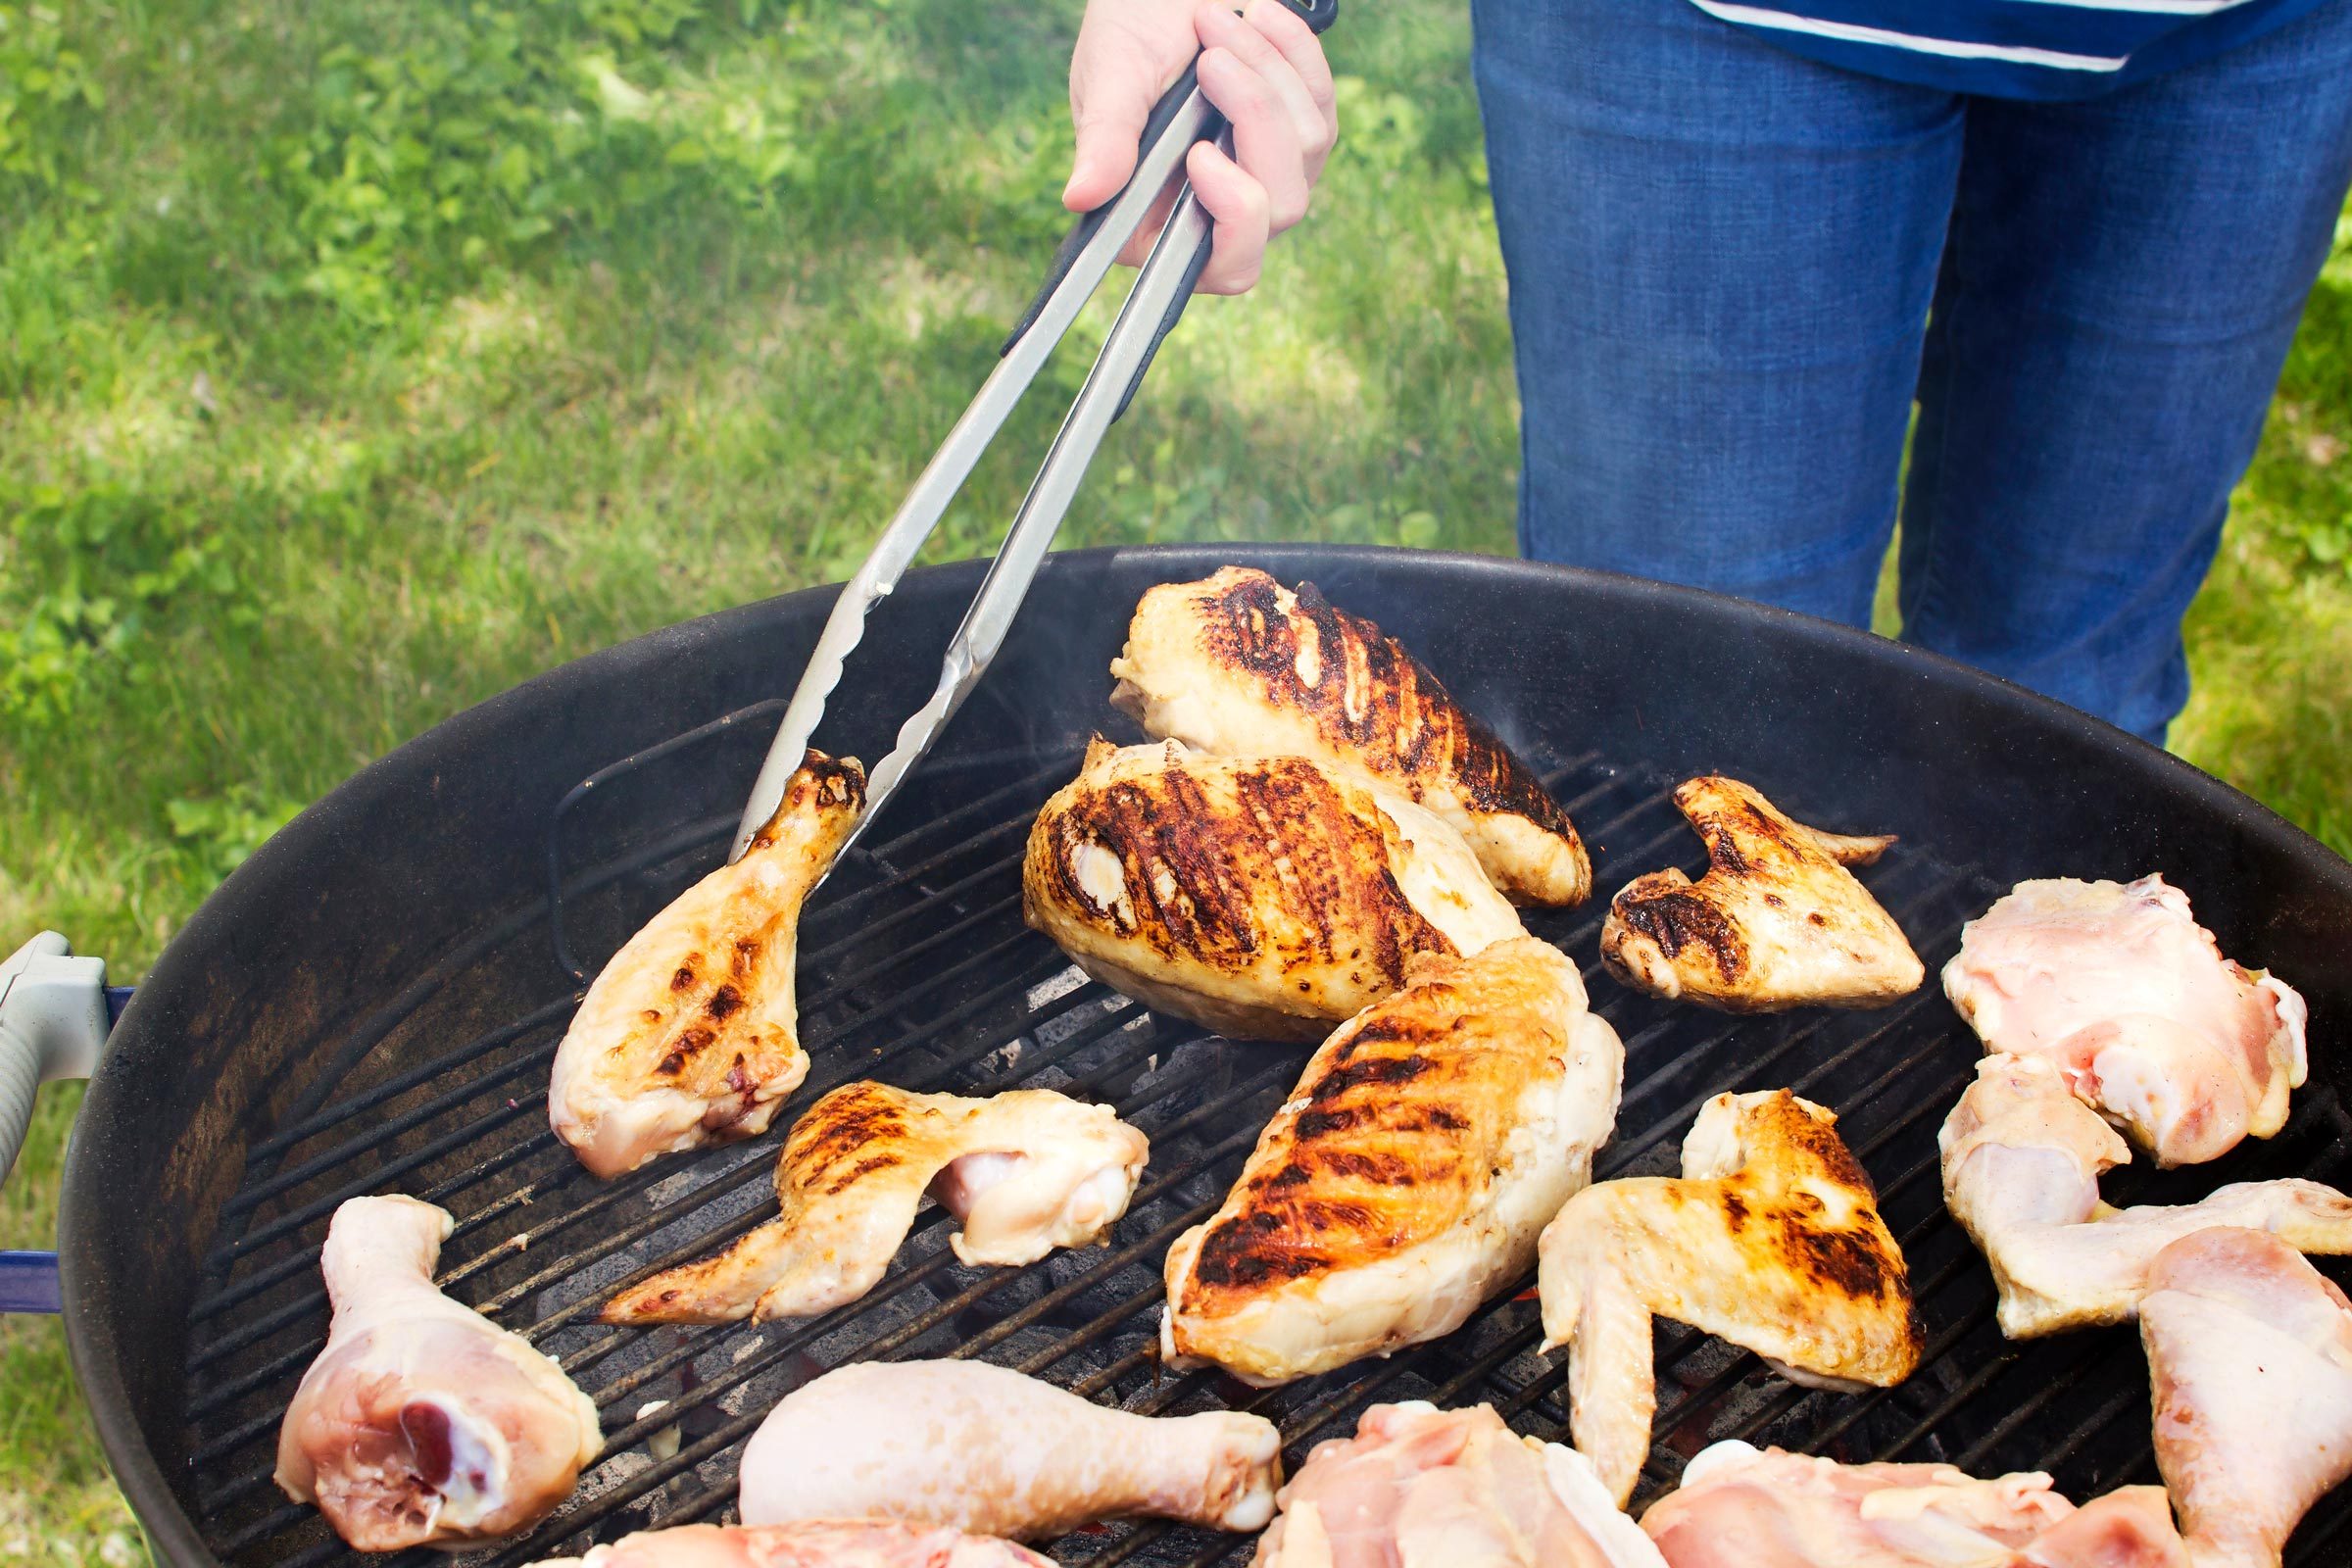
<point x="1109" y="101"/>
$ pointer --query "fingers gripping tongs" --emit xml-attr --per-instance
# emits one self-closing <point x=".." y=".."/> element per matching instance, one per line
<point x="1161" y="287"/>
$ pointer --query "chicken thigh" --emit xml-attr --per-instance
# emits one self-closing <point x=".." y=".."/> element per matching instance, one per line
<point x="1447" y="1489"/>
<point x="1771" y="1239"/>
<point x="2118" y="987"/>
<point x="1777" y="921"/>
<point x="689" y="1035"/>
<point x="1026" y="1171"/>
<point x="1406" y="1179"/>
<point x="1237" y="663"/>
<point x="2022" y="1159"/>
<point x="2250" y="1360"/>
<point x="982" y="1448"/>
<point x="1266" y="898"/>
<point x="813" y="1544"/>
<point x="422" y="1421"/>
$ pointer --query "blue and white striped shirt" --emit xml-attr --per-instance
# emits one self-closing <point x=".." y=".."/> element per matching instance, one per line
<point x="2011" y="48"/>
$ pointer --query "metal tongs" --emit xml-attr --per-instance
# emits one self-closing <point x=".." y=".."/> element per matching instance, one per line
<point x="1162" y="286"/>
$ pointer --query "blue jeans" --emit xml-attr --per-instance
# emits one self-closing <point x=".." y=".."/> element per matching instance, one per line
<point x="1732" y="270"/>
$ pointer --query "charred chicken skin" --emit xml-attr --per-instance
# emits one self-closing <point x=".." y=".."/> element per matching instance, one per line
<point x="1776" y="922"/>
<point x="1407" y="1177"/>
<point x="1238" y="664"/>
<point x="1265" y="898"/>
<point x="689" y="1035"/>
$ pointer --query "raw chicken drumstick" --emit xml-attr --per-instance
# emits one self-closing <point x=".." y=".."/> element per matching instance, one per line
<point x="422" y="1421"/>
<point x="982" y="1448"/>
<point x="1777" y="921"/>
<point x="2250" y="1359"/>
<point x="814" y="1543"/>
<point x="1238" y="664"/>
<point x="2022" y="1159"/>
<point x="2120" y="988"/>
<point x="1025" y="1171"/>
<point x="1771" y="1239"/>
<point x="689" y="1035"/>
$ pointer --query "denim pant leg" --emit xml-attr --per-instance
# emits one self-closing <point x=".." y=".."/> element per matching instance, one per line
<point x="1721" y="258"/>
<point x="2122" y="282"/>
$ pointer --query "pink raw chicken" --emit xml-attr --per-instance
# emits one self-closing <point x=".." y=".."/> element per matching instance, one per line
<point x="812" y="1544"/>
<point x="2118" y="987"/>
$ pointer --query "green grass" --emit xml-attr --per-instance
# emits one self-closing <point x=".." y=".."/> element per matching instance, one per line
<point x="358" y="361"/>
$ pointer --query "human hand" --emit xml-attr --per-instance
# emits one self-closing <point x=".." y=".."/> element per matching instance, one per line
<point x="1262" y="68"/>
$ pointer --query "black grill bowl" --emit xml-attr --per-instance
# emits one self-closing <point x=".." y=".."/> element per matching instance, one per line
<point x="369" y="1004"/>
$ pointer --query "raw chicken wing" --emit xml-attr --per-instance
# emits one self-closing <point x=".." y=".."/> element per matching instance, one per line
<point x="1770" y="1239"/>
<point x="1261" y="897"/>
<point x="982" y="1448"/>
<point x="1777" y="921"/>
<point x="1239" y="665"/>
<point x="813" y="1544"/>
<point x="1406" y="1179"/>
<point x="422" y="1421"/>
<point x="689" y="1035"/>
<point x="2132" y="999"/>
<point x="1026" y="1171"/>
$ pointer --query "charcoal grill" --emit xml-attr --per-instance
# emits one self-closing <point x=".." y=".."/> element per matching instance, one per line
<point x="370" y="1004"/>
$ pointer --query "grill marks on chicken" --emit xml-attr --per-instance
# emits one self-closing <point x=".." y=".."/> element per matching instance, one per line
<point x="1406" y="1178"/>
<point x="690" y="1033"/>
<point x="1026" y="1171"/>
<point x="1770" y="1239"/>
<point x="1237" y="663"/>
<point x="1261" y="897"/>
<point x="1776" y="922"/>
<point x="422" y="1421"/>
<point x="814" y="1543"/>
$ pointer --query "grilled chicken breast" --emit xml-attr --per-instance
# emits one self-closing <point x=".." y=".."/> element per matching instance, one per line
<point x="1407" y="1177"/>
<point x="1239" y="665"/>
<point x="1026" y="1171"/>
<point x="812" y="1544"/>
<point x="1776" y="922"/>
<point x="2120" y="987"/>
<point x="689" y="1035"/>
<point x="2021" y="1161"/>
<point x="1771" y="1239"/>
<point x="1264" y="898"/>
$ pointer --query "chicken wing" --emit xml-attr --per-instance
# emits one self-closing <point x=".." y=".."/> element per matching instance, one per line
<point x="2120" y="987"/>
<point x="1776" y="922"/>
<point x="982" y="1448"/>
<point x="422" y="1421"/>
<point x="1449" y="1489"/>
<point x="1237" y="663"/>
<point x="2250" y="1359"/>
<point x="1771" y="1239"/>
<point x="1265" y="898"/>
<point x="2022" y="1159"/>
<point x="689" y="1035"/>
<point x="1426" y="1145"/>
<point x="1025" y="1172"/>
<point x="813" y="1544"/>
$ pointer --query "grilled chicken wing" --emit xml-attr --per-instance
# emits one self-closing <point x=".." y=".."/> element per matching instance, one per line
<point x="1265" y="898"/>
<point x="2120" y="987"/>
<point x="2022" y="1159"/>
<point x="1424" y="1148"/>
<point x="1776" y="922"/>
<point x="690" y="1036"/>
<point x="982" y="1448"/>
<point x="1237" y="663"/>
<point x="1026" y="1171"/>
<point x="812" y="1544"/>
<point x="1448" y="1489"/>
<point x="1770" y="1239"/>
<point x="422" y="1421"/>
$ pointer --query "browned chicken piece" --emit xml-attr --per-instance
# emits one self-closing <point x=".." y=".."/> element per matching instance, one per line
<point x="1770" y="1239"/>
<point x="1239" y="665"/>
<point x="1265" y="898"/>
<point x="1424" y="1149"/>
<point x="689" y="1035"/>
<point x="1025" y="1172"/>
<point x="1776" y="922"/>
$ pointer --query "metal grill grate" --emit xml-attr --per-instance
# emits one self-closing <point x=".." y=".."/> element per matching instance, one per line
<point x="917" y="970"/>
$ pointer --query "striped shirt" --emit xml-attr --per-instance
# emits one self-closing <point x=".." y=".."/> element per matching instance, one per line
<point x="2011" y="48"/>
